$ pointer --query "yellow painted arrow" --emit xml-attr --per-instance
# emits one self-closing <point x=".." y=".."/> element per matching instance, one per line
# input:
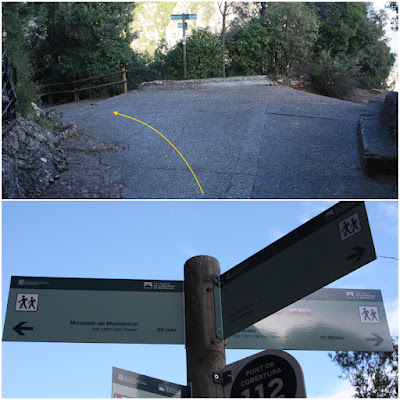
<point x="127" y="116"/>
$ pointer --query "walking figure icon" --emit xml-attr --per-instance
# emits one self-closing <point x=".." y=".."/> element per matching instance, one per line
<point x="27" y="302"/>
<point x="369" y="314"/>
<point x="350" y="226"/>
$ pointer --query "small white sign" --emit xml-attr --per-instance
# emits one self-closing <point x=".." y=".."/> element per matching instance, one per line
<point x="349" y="227"/>
<point x="369" y="314"/>
<point x="27" y="302"/>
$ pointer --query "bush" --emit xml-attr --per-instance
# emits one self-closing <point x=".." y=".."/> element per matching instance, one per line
<point x="248" y="50"/>
<point x="203" y="56"/>
<point x="333" y="76"/>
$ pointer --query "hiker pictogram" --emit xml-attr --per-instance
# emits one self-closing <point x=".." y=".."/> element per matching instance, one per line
<point x="349" y="227"/>
<point x="27" y="302"/>
<point x="22" y="302"/>
<point x="369" y="314"/>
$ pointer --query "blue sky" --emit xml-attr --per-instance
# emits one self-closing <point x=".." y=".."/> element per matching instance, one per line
<point x="151" y="240"/>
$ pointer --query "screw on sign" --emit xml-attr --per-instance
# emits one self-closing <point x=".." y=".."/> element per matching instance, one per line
<point x="269" y="374"/>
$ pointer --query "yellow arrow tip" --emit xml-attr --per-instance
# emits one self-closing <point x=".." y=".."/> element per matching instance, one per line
<point x="116" y="112"/>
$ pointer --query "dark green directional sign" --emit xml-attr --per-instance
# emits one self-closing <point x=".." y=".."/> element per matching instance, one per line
<point x="94" y="310"/>
<point x="328" y="319"/>
<point x="187" y="16"/>
<point x="331" y="245"/>
<point x="126" y="384"/>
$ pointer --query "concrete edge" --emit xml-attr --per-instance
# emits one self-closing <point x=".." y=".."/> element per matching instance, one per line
<point x="378" y="152"/>
<point x="209" y="82"/>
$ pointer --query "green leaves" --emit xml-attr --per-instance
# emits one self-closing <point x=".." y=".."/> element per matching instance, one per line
<point x="372" y="374"/>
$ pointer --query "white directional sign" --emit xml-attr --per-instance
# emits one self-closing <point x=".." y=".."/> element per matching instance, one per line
<point x="126" y="384"/>
<point x="329" y="319"/>
<point x="272" y="373"/>
<point x="94" y="310"/>
<point x="331" y="245"/>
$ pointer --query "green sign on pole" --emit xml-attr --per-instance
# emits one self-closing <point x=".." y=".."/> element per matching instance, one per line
<point x="331" y="245"/>
<point x="126" y="384"/>
<point x="187" y="16"/>
<point x="94" y="310"/>
<point x="328" y="319"/>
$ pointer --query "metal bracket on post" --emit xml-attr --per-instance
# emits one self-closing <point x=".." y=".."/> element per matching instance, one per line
<point x="189" y="393"/>
<point x="222" y="378"/>
<point x="218" y="307"/>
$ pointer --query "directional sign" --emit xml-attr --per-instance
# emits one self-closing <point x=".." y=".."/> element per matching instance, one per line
<point x="329" y="319"/>
<point x="94" y="310"/>
<point x="126" y="384"/>
<point x="187" y="16"/>
<point x="180" y="25"/>
<point x="331" y="245"/>
<point x="272" y="373"/>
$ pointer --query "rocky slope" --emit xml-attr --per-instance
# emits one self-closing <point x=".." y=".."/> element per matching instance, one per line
<point x="33" y="157"/>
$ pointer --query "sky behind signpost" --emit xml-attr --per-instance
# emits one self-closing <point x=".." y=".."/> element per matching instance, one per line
<point x="151" y="240"/>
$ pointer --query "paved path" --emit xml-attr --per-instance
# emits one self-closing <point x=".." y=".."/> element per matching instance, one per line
<point x="241" y="142"/>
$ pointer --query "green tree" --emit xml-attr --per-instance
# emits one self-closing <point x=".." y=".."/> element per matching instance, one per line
<point x="354" y="31"/>
<point x="292" y="31"/>
<point x="14" y="24"/>
<point x="203" y="52"/>
<point x="278" y="42"/>
<point x="72" y="41"/>
<point x="339" y="25"/>
<point x="248" y="51"/>
<point x="372" y="374"/>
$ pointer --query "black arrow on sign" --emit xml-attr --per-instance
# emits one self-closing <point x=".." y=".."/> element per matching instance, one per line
<point x="19" y="328"/>
<point x="359" y="252"/>
<point x="378" y="339"/>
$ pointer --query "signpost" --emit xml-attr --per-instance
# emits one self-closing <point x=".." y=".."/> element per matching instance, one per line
<point x="271" y="373"/>
<point x="267" y="290"/>
<point x="331" y="245"/>
<point x="126" y="384"/>
<point x="94" y="310"/>
<point x="185" y="16"/>
<point x="183" y="25"/>
<point x="328" y="319"/>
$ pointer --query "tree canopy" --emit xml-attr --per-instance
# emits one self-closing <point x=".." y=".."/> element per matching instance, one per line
<point x="372" y="374"/>
<point x="333" y="45"/>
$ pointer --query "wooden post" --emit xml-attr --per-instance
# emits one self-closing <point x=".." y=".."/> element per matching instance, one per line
<point x="49" y="95"/>
<point x="124" y="79"/>
<point x="76" y="93"/>
<point x="204" y="351"/>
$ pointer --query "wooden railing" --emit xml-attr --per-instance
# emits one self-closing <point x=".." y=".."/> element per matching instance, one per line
<point x="75" y="89"/>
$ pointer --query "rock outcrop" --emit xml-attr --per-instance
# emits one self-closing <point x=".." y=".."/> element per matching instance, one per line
<point x="33" y="157"/>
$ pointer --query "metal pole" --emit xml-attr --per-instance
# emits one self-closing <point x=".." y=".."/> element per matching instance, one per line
<point x="205" y="353"/>
<point x="184" y="46"/>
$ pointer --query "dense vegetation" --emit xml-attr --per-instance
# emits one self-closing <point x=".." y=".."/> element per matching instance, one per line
<point x="335" y="46"/>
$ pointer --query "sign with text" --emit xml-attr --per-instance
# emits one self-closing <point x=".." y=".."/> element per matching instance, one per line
<point x="326" y="248"/>
<point x="328" y="319"/>
<point x="126" y="384"/>
<point x="272" y="373"/>
<point x="94" y="310"/>
<point x="180" y="16"/>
